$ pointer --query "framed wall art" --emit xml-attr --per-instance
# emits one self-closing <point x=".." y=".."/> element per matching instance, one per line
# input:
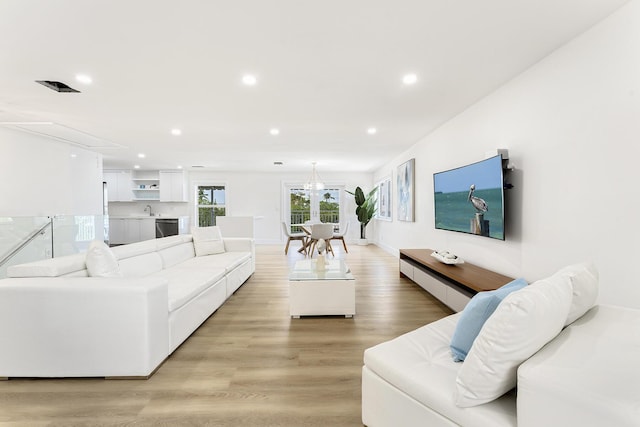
<point x="384" y="199"/>
<point x="406" y="190"/>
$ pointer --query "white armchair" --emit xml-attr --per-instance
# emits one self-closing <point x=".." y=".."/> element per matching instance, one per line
<point x="293" y="236"/>
<point x="340" y="236"/>
<point x="321" y="231"/>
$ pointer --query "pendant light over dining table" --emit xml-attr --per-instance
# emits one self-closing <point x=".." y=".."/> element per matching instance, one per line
<point x="314" y="182"/>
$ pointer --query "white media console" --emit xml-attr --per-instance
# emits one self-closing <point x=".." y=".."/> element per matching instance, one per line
<point x="453" y="284"/>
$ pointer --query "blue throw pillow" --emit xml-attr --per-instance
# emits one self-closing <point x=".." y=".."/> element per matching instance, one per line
<point x="477" y="311"/>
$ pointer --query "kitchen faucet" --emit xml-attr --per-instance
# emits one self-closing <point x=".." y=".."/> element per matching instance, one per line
<point x="148" y="207"/>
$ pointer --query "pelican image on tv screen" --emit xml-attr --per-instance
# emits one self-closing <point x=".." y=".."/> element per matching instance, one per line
<point x="470" y="199"/>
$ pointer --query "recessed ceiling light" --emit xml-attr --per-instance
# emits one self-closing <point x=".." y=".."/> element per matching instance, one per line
<point x="84" y="79"/>
<point x="136" y="166"/>
<point x="179" y="166"/>
<point x="372" y="131"/>
<point x="249" y="79"/>
<point x="141" y="155"/>
<point x="274" y="131"/>
<point x="176" y="132"/>
<point x="409" y="79"/>
<point x="73" y="156"/>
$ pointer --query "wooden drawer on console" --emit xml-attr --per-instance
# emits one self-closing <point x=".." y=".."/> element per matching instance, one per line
<point x="406" y="269"/>
<point x="456" y="300"/>
<point x="430" y="284"/>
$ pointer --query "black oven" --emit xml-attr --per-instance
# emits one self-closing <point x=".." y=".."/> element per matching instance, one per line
<point x="166" y="227"/>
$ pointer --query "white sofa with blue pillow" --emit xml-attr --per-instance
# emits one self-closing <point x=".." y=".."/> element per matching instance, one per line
<point x="543" y="356"/>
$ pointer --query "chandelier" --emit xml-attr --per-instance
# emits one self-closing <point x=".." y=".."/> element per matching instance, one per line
<point x="314" y="182"/>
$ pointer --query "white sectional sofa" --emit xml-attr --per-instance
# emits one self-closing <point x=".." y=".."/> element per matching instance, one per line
<point x="56" y="321"/>
<point x="586" y="375"/>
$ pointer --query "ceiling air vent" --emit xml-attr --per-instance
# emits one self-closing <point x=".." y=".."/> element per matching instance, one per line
<point x="57" y="86"/>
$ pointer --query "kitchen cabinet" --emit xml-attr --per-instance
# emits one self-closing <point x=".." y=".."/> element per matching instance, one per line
<point x="145" y="185"/>
<point x="147" y="228"/>
<point x="119" y="185"/>
<point x="131" y="230"/>
<point x="172" y="186"/>
<point x="117" y="233"/>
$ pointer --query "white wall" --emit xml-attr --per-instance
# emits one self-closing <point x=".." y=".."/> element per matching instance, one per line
<point x="260" y="195"/>
<point x="39" y="177"/>
<point x="572" y="127"/>
<point x="256" y="194"/>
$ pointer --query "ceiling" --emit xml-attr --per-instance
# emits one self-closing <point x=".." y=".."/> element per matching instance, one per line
<point x="326" y="72"/>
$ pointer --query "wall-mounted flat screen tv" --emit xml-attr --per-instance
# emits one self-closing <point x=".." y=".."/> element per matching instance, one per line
<point x="470" y="199"/>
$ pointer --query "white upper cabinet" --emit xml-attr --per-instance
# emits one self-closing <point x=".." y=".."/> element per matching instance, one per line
<point x="146" y="185"/>
<point x="119" y="185"/>
<point x="172" y="186"/>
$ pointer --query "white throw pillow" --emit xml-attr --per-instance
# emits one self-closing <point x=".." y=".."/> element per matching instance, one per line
<point x="521" y="325"/>
<point x="207" y="240"/>
<point x="584" y="282"/>
<point x="101" y="262"/>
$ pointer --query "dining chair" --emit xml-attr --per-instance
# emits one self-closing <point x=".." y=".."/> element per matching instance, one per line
<point x="321" y="231"/>
<point x="340" y="236"/>
<point x="293" y="236"/>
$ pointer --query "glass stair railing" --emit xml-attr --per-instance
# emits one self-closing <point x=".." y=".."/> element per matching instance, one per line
<point x="27" y="239"/>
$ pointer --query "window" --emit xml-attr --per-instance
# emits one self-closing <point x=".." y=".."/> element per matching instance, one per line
<point x="329" y="205"/>
<point x="300" y="206"/>
<point x="211" y="204"/>
<point x="313" y="205"/>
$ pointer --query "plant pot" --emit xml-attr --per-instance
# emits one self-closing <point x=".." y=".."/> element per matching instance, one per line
<point x="362" y="242"/>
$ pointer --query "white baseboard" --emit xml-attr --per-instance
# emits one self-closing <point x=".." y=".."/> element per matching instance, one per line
<point x="270" y="242"/>
<point x="389" y="249"/>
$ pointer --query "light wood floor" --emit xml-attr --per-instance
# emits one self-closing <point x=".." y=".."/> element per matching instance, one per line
<point x="249" y="364"/>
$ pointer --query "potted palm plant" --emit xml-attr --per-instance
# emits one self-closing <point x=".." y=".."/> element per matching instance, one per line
<point x="366" y="208"/>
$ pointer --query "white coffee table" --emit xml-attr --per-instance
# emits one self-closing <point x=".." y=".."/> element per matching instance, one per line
<point x="326" y="292"/>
